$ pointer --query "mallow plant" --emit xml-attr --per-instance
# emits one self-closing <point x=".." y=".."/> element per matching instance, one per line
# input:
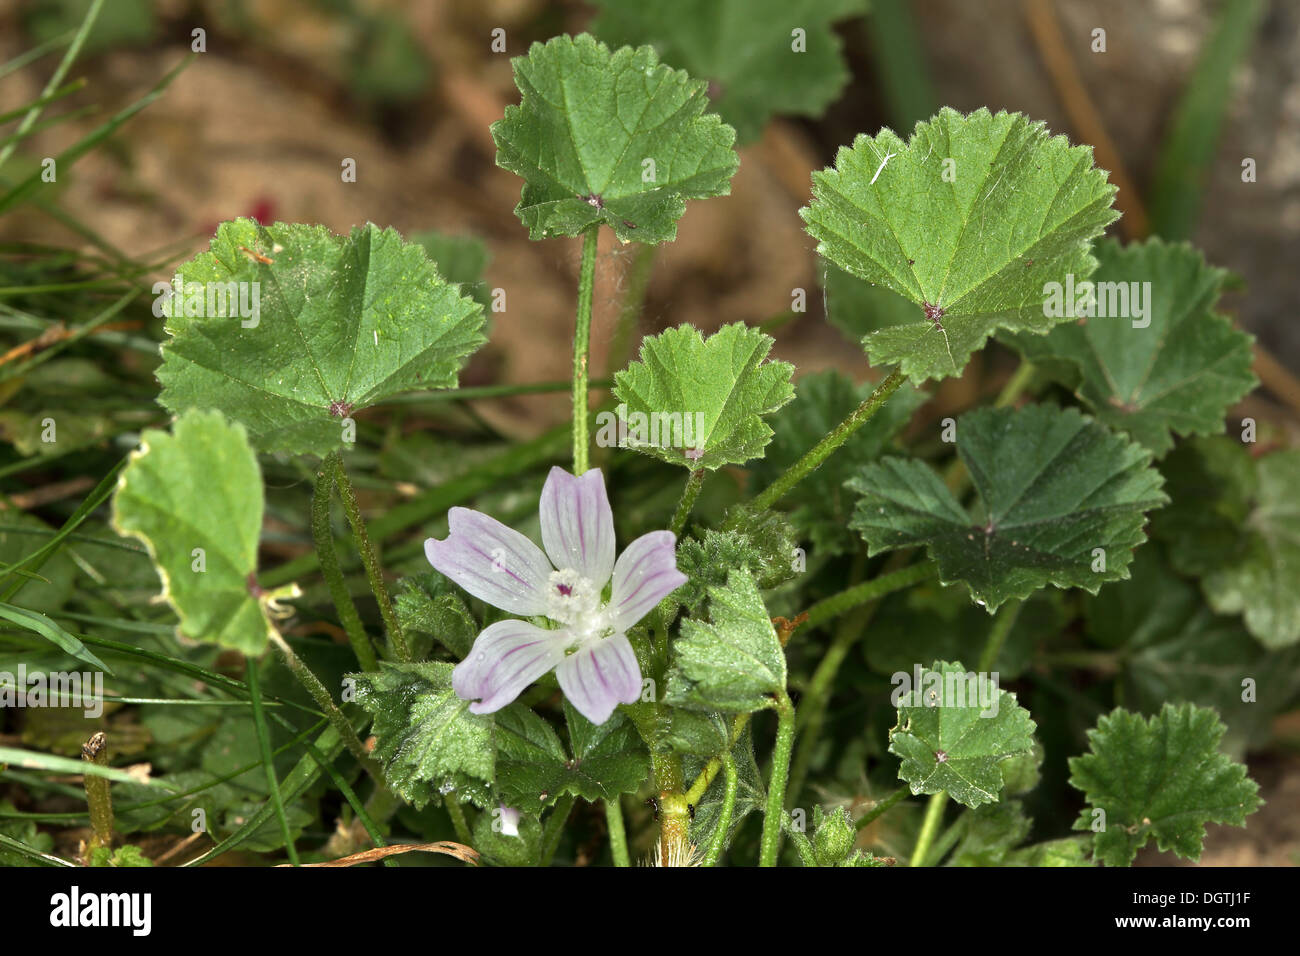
<point x="749" y="617"/>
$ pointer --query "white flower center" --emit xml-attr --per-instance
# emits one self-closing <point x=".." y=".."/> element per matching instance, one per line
<point x="574" y="602"/>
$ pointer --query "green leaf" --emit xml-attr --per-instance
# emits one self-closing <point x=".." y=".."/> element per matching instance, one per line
<point x="1162" y="777"/>
<point x="1235" y="522"/>
<point x="968" y="219"/>
<point x="427" y="741"/>
<point x="931" y="622"/>
<point x="613" y="138"/>
<point x="733" y="663"/>
<point x="24" y="832"/>
<point x="533" y="767"/>
<point x="990" y="832"/>
<point x="1176" y="374"/>
<point x="699" y="402"/>
<point x="38" y="623"/>
<point x="1213" y="483"/>
<point x="424" y="605"/>
<point x="194" y="498"/>
<point x="745" y="49"/>
<point x="1174" y="649"/>
<point x="824" y="399"/>
<point x="765" y="547"/>
<point x="504" y="849"/>
<point x="341" y="323"/>
<point x="128" y="855"/>
<point x="461" y="260"/>
<point x="857" y="307"/>
<point x="1069" y="851"/>
<point x="954" y="730"/>
<point x="1053" y="487"/>
<point x="751" y="794"/>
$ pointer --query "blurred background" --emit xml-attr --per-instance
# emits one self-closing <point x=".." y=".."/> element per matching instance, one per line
<point x="1174" y="95"/>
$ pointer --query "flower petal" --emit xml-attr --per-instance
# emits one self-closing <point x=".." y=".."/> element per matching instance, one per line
<point x="645" y="574"/>
<point x="506" y="658"/>
<point x="492" y="562"/>
<point x="578" y="525"/>
<point x="601" y="676"/>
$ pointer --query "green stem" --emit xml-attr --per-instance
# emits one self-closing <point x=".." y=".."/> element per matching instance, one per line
<point x="776" y="786"/>
<point x="582" y="348"/>
<point x="802" y="845"/>
<point x="674" y="813"/>
<point x="323" y="537"/>
<point x="696" y="793"/>
<point x="947" y="840"/>
<point x="458" y="822"/>
<point x="687" y="502"/>
<point x="824" y="448"/>
<point x="929" y="827"/>
<point x="312" y="684"/>
<point x="264" y="742"/>
<point x="617" y="833"/>
<point x="1018" y="382"/>
<point x="872" y="590"/>
<point x="555" y="828"/>
<point x="728" y="810"/>
<point x="98" y="797"/>
<point x="1002" y="625"/>
<point x="881" y="808"/>
<point x="374" y="573"/>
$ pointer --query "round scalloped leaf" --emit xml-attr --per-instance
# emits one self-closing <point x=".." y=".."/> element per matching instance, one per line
<point x="968" y="220"/>
<point x="614" y="138"/>
<point x="953" y="731"/>
<point x="337" y="323"/>
<point x="1061" y="500"/>
<point x="194" y="498"/>
<point x="699" y="402"/>
<point x="1162" y="777"/>
<point x="427" y="741"/>
<point x="745" y="49"/>
<point x="1173" y="369"/>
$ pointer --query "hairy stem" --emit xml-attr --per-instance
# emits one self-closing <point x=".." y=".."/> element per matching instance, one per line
<point x="674" y="813"/>
<point x="617" y="832"/>
<point x="824" y="448"/>
<point x="687" y="502"/>
<point x="929" y="827"/>
<point x="776" y="786"/>
<point x="728" y="810"/>
<point x="323" y="537"/>
<point x="582" y="348"/>
<point x="555" y="828"/>
<point x="867" y="591"/>
<point x="312" y="684"/>
<point x="98" y="797"/>
<point x="696" y="792"/>
<point x="458" y="822"/>
<point x="374" y="573"/>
